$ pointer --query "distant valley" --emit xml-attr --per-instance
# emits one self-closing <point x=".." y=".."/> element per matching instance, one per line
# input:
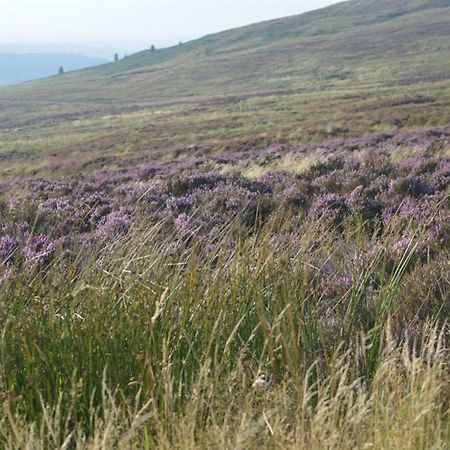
<point x="20" y="67"/>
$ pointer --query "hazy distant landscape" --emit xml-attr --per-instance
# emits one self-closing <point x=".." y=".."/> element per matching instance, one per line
<point x="240" y="241"/>
<point x="17" y="67"/>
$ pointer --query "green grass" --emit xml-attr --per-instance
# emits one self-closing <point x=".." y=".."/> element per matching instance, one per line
<point x="59" y="145"/>
<point x="144" y="343"/>
<point x="141" y="344"/>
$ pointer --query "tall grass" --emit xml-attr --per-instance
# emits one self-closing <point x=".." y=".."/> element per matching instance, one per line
<point x="149" y="342"/>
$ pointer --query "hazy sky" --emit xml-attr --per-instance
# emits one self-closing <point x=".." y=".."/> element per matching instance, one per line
<point x="134" y="23"/>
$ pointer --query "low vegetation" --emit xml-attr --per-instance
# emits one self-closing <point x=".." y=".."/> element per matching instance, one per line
<point x="352" y="69"/>
<point x="240" y="242"/>
<point x="182" y="305"/>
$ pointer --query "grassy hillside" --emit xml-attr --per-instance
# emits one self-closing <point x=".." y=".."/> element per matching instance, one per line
<point x="350" y="69"/>
<point x="363" y="42"/>
<point x="242" y="242"/>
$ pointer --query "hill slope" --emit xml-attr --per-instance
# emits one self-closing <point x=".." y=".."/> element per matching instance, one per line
<point x="356" y="42"/>
<point x="359" y="67"/>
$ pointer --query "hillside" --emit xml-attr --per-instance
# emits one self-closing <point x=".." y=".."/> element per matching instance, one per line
<point x="242" y="242"/>
<point x="358" y="67"/>
<point x="19" y="67"/>
<point x="356" y="42"/>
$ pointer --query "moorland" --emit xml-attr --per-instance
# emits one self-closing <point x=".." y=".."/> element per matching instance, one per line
<point x="242" y="241"/>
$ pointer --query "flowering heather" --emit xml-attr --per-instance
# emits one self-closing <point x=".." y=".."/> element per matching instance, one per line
<point x="7" y="246"/>
<point x="227" y="279"/>
<point x="179" y="204"/>
<point x="338" y="284"/>
<point x="354" y="179"/>
<point x="365" y="206"/>
<point x="186" y="226"/>
<point x="114" y="224"/>
<point x="40" y="250"/>
<point x="57" y="204"/>
<point x="330" y="208"/>
<point x="410" y="185"/>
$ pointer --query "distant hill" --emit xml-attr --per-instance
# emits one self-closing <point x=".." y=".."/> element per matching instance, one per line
<point x="348" y="70"/>
<point x="19" y="67"/>
<point x="358" y="42"/>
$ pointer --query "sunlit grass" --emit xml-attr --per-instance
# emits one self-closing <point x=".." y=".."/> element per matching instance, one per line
<point x="148" y="343"/>
<point x="46" y="144"/>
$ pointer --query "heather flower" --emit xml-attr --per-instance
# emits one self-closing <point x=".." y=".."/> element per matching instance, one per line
<point x="114" y="224"/>
<point x="8" y="245"/>
<point x="333" y="165"/>
<point x="226" y="202"/>
<point x="387" y="215"/>
<point x="98" y="213"/>
<point x="57" y="204"/>
<point x="14" y="203"/>
<point x="359" y="203"/>
<point x="293" y="196"/>
<point x="362" y="259"/>
<point x="179" y="204"/>
<point x="406" y="242"/>
<point x="440" y="178"/>
<point x="187" y="195"/>
<point x="185" y="225"/>
<point x="180" y="186"/>
<point x="410" y="185"/>
<point x="208" y="180"/>
<point x="329" y="207"/>
<point x="40" y="250"/>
